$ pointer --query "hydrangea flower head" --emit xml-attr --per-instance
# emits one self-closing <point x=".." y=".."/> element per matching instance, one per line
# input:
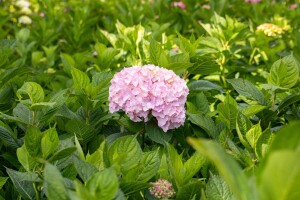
<point x="179" y="4"/>
<point x="270" y="30"/>
<point x="162" y="189"/>
<point x="252" y="1"/>
<point x="148" y="89"/>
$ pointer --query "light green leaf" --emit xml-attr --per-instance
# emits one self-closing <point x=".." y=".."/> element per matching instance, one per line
<point x="247" y="89"/>
<point x="217" y="189"/>
<point x="2" y="181"/>
<point x="81" y="80"/>
<point x="49" y="142"/>
<point x="54" y="183"/>
<point x="280" y="177"/>
<point x="97" y="157"/>
<point x="33" y="90"/>
<point x="67" y="62"/>
<point x="203" y="85"/>
<point x="33" y="138"/>
<point x="263" y="143"/>
<point x="103" y="185"/>
<point x="253" y="135"/>
<point x="125" y="152"/>
<point x="84" y="169"/>
<point x="252" y="110"/>
<point x="243" y="125"/>
<point x="285" y="72"/>
<point x="192" y="166"/>
<point x="25" y="159"/>
<point x="175" y="165"/>
<point x="79" y="149"/>
<point x="287" y="101"/>
<point x="227" y="114"/>
<point x="228" y="168"/>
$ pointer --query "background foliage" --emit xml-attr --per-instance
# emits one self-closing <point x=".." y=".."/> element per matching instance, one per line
<point x="240" y="139"/>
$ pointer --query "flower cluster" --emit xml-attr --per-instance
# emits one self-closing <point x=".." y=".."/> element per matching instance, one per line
<point x="140" y="91"/>
<point x="252" y="1"/>
<point x="270" y="30"/>
<point x="24" y="6"/>
<point x="162" y="189"/>
<point x="179" y="4"/>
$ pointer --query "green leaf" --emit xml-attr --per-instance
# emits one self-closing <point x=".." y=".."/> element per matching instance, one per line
<point x="193" y="165"/>
<point x="253" y="135"/>
<point x="97" y="158"/>
<point x="8" y="137"/>
<point x="79" y="149"/>
<point x="132" y="187"/>
<point x="25" y="159"/>
<point x="287" y="101"/>
<point x="226" y="165"/>
<point x="33" y="90"/>
<point x="146" y="169"/>
<point x="81" y="81"/>
<point x="280" y="178"/>
<point x="83" y="132"/>
<point x="243" y="125"/>
<point x="67" y="62"/>
<point x="287" y="138"/>
<point x="247" y="89"/>
<point x="263" y="143"/>
<point x="285" y="72"/>
<point x="23" y="35"/>
<point x="217" y="189"/>
<point x="54" y="183"/>
<point x="204" y="65"/>
<point x="252" y="110"/>
<point x="203" y="85"/>
<point x="227" y="114"/>
<point x="205" y="122"/>
<point x="157" y="55"/>
<point x="2" y="181"/>
<point x="190" y="191"/>
<point x="23" y="182"/>
<point x="33" y="138"/>
<point x="49" y="142"/>
<point x="125" y="152"/>
<point x="62" y="154"/>
<point x="156" y="134"/>
<point x="175" y="165"/>
<point x="103" y="185"/>
<point x="84" y="169"/>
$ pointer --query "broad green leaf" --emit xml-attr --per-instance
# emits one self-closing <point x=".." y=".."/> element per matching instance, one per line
<point x="263" y="143"/>
<point x="217" y="189"/>
<point x="83" y="132"/>
<point x="243" y="125"/>
<point x="54" y="183"/>
<point x="8" y="137"/>
<point x="285" y="72"/>
<point x="79" y="149"/>
<point x="81" y="80"/>
<point x="64" y="153"/>
<point x="280" y="177"/>
<point x="289" y="100"/>
<point x="2" y="181"/>
<point x="190" y="191"/>
<point x="103" y="185"/>
<point x="132" y="187"/>
<point x="218" y="5"/>
<point x="247" y="89"/>
<point x="242" y="155"/>
<point x="252" y="110"/>
<point x="253" y="135"/>
<point x="33" y="90"/>
<point x="6" y="98"/>
<point x="193" y="165"/>
<point x="156" y="134"/>
<point x="228" y="168"/>
<point x="33" y="138"/>
<point x="67" y="62"/>
<point x="203" y="85"/>
<point x="23" y="35"/>
<point x="204" y="122"/>
<point x="146" y="169"/>
<point x="198" y="103"/>
<point x="204" y="65"/>
<point x="97" y="158"/>
<point x="227" y="114"/>
<point x="84" y="169"/>
<point x="49" y="142"/>
<point x="287" y="138"/>
<point x="25" y="159"/>
<point x="175" y="164"/>
<point x="125" y="152"/>
<point x="23" y="182"/>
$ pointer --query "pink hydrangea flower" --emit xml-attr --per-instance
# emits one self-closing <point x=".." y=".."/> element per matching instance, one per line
<point x="252" y="1"/>
<point x="162" y="189"/>
<point x="148" y="89"/>
<point x="293" y="6"/>
<point x="179" y="4"/>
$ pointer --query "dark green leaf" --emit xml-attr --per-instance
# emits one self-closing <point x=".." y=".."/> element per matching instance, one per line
<point x="203" y="85"/>
<point x="156" y="134"/>
<point x="205" y="122"/>
<point x="217" y="189"/>
<point x="62" y="154"/>
<point x="84" y="169"/>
